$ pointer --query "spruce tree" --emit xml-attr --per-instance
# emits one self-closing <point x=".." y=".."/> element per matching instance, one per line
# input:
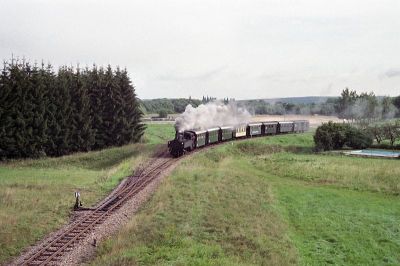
<point x="132" y="114"/>
<point x="37" y="122"/>
<point x="51" y="114"/>
<point x="16" y="133"/>
<point x="120" y="119"/>
<point x="46" y="113"/>
<point x="96" y="107"/>
<point x="82" y="137"/>
<point x="6" y="103"/>
<point x="63" y="116"/>
<point x="110" y="103"/>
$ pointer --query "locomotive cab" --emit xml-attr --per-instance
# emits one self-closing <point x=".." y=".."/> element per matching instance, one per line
<point x="183" y="142"/>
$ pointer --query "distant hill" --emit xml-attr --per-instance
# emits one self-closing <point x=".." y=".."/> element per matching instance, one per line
<point x="295" y="100"/>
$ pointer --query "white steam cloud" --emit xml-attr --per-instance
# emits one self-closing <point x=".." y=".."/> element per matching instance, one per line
<point x="211" y="115"/>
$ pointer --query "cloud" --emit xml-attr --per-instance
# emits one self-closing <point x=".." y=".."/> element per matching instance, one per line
<point x="241" y="49"/>
<point x="392" y="73"/>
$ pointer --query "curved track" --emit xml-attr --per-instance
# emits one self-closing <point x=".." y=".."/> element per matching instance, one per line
<point x="51" y="251"/>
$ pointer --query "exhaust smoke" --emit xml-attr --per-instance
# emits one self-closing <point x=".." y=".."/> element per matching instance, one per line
<point x="211" y="115"/>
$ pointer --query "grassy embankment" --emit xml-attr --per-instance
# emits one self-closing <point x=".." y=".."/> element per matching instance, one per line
<point x="36" y="196"/>
<point x="267" y="201"/>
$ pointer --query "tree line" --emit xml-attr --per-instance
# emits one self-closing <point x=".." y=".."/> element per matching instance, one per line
<point x="350" y="105"/>
<point x="366" y="107"/>
<point x="48" y="112"/>
<point x="165" y="106"/>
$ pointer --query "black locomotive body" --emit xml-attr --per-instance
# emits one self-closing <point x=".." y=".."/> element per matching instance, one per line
<point x="189" y="140"/>
<point x="184" y="141"/>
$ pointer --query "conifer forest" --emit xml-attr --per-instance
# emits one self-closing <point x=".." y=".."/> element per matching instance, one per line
<point x="51" y="112"/>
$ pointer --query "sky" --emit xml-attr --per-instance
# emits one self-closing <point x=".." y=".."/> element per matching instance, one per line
<point x="238" y="49"/>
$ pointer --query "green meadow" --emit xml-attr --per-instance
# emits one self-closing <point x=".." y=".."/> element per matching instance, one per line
<point x="266" y="201"/>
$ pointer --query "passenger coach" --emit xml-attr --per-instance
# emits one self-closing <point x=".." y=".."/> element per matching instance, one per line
<point x="189" y="140"/>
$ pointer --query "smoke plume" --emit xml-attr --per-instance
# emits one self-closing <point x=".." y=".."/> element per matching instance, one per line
<point x="211" y="115"/>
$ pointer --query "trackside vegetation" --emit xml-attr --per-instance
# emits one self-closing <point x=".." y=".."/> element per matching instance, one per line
<point x="37" y="195"/>
<point x="43" y="112"/>
<point x="266" y="201"/>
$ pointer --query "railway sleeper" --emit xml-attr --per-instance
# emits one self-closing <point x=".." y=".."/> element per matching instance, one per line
<point x="56" y="245"/>
<point x="81" y="231"/>
<point x="34" y="263"/>
<point x="100" y="219"/>
<point x="94" y="217"/>
<point x="47" y="253"/>
<point x="83" y="225"/>
<point x="77" y="231"/>
<point x="91" y="219"/>
<point x="41" y="258"/>
<point x="87" y="222"/>
<point x="66" y="239"/>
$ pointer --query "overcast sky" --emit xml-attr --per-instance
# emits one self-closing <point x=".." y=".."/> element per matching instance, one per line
<point x="242" y="49"/>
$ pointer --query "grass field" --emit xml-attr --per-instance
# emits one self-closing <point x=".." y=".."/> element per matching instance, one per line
<point x="37" y="196"/>
<point x="266" y="201"/>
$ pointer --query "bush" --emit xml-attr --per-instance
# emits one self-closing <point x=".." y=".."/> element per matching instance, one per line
<point x="357" y="138"/>
<point x="330" y="136"/>
<point x="333" y="136"/>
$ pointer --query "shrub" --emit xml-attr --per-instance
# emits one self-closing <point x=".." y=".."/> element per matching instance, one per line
<point x="332" y="136"/>
<point x="357" y="138"/>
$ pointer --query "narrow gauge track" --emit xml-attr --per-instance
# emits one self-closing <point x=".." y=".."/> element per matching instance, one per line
<point x="51" y="251"/>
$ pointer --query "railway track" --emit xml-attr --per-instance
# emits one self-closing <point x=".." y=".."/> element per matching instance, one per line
<point x="51" y="252"/>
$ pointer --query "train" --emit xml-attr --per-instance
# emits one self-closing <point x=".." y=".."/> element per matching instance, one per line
<point x="189" y="140"/>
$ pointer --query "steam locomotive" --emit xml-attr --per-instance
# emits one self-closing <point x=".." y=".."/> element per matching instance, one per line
<point x="189" y="140"/>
